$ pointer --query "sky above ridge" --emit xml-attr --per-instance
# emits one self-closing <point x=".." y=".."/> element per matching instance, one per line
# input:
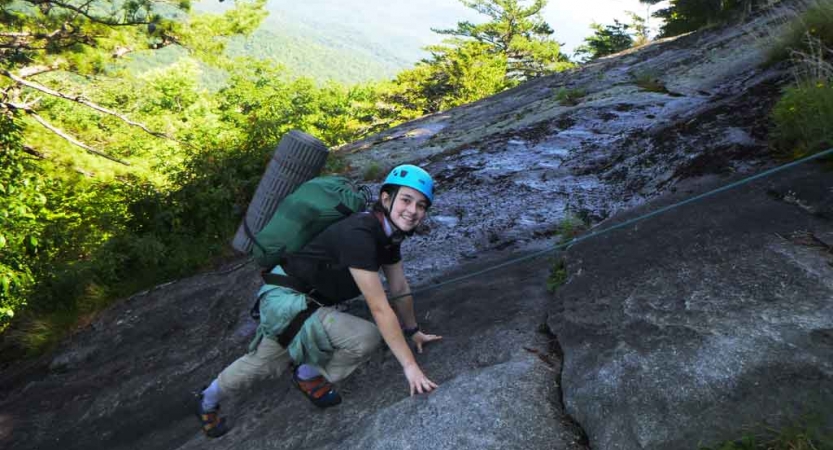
<point x="414" y="18"/>
<point x="571" y="19"/>
<point x="399" y="29"/>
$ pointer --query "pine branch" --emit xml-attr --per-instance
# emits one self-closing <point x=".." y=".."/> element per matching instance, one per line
<point x="60" y="38"/>
<point x="84" y="12"/>
<point x="84" y="102"/>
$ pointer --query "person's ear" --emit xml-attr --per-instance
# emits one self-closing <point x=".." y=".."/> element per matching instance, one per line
<point x="384" y="198"/>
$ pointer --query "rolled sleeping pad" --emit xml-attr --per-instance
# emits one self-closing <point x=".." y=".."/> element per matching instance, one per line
<point x="298" y="158"/>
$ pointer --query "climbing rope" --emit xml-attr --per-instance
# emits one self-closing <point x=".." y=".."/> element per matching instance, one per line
<point x="624" y="224"/>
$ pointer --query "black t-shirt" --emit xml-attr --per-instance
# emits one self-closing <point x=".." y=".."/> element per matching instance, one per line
<point x="358" y="241"/>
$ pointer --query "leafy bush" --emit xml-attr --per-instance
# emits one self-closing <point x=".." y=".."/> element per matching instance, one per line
<point x="805" y="434"/>
<point x="571" y="226"/>
<point x="570" y="97"/>
<point x="813" y="26"/>
<point x="558" y="275"/>
<point x="372" y="172"/>
<point x="803" y="118"/>
<point x="650" y="82"/>
<point x="118" y="237"/>
<point x="21" y="218"/>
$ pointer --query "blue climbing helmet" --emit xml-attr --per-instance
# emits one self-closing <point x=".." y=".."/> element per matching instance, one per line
<point x="413" y="177"/>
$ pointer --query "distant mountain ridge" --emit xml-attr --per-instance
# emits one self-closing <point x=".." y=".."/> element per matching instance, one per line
<point x="346" y="41"/>
<point x="322" y="57"/>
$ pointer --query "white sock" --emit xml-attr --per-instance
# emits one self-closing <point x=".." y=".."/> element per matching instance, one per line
<point x="211" y="396"/>
<point x="307" y="372"/>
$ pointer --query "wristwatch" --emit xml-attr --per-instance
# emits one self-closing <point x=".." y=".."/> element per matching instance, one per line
<point x="409" y="332"/>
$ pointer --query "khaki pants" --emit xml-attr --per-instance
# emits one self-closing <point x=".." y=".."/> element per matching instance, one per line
<point x="352" y="338"/>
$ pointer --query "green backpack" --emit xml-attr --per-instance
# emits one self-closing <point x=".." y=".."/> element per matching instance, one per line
<point x="304" y="213"/>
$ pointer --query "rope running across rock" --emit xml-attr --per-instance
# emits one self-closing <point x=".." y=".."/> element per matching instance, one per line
<point x="563" y="245"/>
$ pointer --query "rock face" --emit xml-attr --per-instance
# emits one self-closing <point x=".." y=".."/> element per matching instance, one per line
<point x="686" y="327"/>
<point x="129" y="381"/>
<point x="679" y="331"/>
<point x="510" y="168"/>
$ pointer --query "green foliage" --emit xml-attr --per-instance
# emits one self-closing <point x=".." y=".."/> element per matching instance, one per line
<point x="21" y="218"/>
<point x="570" y="97"/>
<point x="650" y="82"/>
<point x="682" y="16"/>
<point x="372" y="172"/>
<point x="803" y="118"/>
<point x="478" y="60"/>
<point x="806" y="34"/>
<point x="606" y="40"/>
<point x="335" y="163"/>
<point x="455" y="75"/>
<point x="570" y="227"/>
<point x="207" y="34"/>
<point x="305" y="57"/>
<point x="803" y="435"/>
<point x="49" y="222"/>
<point x="558" y="275"/>
<point x="515" y="31"/>
<point x="263" y="104"/>
<point x="639" y="25"/>
<point x="79" y="230"/>
<point x="803" y="115"/>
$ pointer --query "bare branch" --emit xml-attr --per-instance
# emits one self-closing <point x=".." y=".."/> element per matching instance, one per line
<point x="72" y="140"/>
<point x="84" y="102"/>
<point x="26" y="34"/>
<point x="121" y="51"/>
<point x="45" y="156"/>
<point x="31" y="150"/>
<point x="29" y="111"/>
<point x="37" y="70"/>
<point x="14" y="34"/>
<point x="169" y="39"/>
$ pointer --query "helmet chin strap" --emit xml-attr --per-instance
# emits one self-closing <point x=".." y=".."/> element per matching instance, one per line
<point x="398" y="234"/>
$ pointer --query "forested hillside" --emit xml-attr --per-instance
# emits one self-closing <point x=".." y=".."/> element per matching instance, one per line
<point x="350" y="41"/>
<point x="132" y="140"/>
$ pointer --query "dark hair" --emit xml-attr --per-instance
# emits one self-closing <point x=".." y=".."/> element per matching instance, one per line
<point x="389" y="189"/>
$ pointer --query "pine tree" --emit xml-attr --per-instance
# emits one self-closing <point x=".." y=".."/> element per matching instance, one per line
<point x="682" y="16"/>
<point x="605" y="40"/>
<point x="516" y="31"/>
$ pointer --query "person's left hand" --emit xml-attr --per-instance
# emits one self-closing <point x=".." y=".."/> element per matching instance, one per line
<point x="421" y="338"/>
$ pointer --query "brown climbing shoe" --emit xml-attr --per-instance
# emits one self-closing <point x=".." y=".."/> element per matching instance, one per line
<point x="318" y="390"/>
<point x="213" y="425"/>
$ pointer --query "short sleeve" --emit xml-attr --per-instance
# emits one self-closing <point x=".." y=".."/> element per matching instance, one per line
<point x="392" y="255"/>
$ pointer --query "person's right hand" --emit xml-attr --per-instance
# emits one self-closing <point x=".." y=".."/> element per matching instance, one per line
<point x="417" y="380"/>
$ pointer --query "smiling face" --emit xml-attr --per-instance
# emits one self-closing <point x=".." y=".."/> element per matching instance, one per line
<point x="408" y="210"/>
